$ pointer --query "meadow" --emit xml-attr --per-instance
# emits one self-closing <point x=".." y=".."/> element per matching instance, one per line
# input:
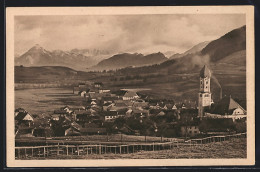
<point x="46" y="100"/>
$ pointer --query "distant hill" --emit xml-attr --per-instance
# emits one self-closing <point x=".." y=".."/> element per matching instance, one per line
<point x="38" y="56"/>
<point x="229" y="48"/>
<point x="194" y="49"/>
<point x="231" y="42"/>
<point x="50" y="75"/>
<point x="130" y="60"/>
<point x="42" y="74"/>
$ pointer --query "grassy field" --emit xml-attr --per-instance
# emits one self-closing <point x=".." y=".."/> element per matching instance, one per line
<point x="235" y="148"/>
<point x="46" y="100"/>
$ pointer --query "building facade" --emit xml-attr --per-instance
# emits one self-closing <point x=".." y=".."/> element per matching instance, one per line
<point x="204" y="91"/>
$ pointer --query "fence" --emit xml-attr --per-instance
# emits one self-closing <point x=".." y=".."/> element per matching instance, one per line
<point x="85" y="150"/>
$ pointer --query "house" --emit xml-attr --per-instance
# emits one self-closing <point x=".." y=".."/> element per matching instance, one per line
<point x="168" y="106"/>
<point x="130" y="95"/>
<point x="174" y="107"/>
<point x="162" y="113"/>
<point x="98" y="84"/>
<point x="18" y="110"/>
<point x="139" y="112"/>
<point x="67" y="109"/>
<point x="190" y="131"/>
<point x="24" y="131"/>
<point x="111" y="115"/>
<point x="109" y="99"/>
<point x="75" y="108"/>
<point x="122" y="112"/>
<point x="81" y="115"/>
<point x="24" y="118"/>
<point x="117" y="106"/>
<point x="140" y="103"/>
<point x="104" y="91"/>
<point x="129" y="113"/>
<point x="106" y="105"/>
<point x="58" y="114"/>
<point x="80" y="87"/>
<point x="82" y="93"/>
<point x="152" y="105"/>
<point x="227" y="107"/>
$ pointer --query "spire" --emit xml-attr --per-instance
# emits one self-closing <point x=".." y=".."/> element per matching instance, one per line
<point x="205" y="72"/>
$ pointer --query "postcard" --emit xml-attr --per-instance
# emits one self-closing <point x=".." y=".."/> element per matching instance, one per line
<point x="130" y="86"/>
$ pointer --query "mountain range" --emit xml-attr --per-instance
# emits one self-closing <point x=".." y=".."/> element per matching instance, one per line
<point x="130" y="60"/>
<point x="76" y="58"/>
<point x="230" y="48"/>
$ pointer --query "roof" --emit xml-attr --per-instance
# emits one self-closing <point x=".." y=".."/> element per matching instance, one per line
<point x="21" y="115"/>
<point x="111" y="113"/>
<point x="130" y="94"/>
<point x="107" y="104"/>
<point x="226" y="106"/>
<point x="91" y="125"/>
<point x="205" y="72"/>
<point x="60" y="111"/>
<point x="98" y="83"/>
<point x="169" y="106"/>
<point x="75" y="125"/>
<point x="120" y="104"/>
<point x="82" y="112"/>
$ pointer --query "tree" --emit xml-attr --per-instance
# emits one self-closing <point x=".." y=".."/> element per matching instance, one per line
<point x="186" y="119"/>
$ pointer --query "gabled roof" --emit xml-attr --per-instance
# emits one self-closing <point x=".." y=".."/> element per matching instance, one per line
<point x="21" y="115"/>
<point x="130" y="94"/>
<point x="75" y="125"/>
<point x="205" y="72"/>
<point x="226" y="106"/>
<point x="169" y="106"/>
<point x="107" y="104"/>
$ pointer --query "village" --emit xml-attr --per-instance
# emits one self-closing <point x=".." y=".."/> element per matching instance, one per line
<point x="131" y="113"/>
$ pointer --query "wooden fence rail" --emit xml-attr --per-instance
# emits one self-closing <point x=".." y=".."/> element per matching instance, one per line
<point x="79" y="150"/>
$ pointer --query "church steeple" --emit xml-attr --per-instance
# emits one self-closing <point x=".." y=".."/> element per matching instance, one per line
<point x="204" y="91"/>
<point x="205" y="72"/>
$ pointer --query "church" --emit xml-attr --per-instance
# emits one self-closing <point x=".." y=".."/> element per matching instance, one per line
<point x="227" y="107"/>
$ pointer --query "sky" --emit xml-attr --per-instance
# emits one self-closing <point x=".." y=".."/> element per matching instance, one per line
<point x="122" y="33"/>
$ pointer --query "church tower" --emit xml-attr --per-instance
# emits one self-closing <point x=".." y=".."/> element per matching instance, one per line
<point x="204" y="91"/>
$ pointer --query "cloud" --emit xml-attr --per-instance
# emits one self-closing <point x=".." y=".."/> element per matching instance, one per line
<point x="122" y="33"/>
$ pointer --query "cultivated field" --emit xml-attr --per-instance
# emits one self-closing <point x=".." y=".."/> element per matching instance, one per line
<point x="46" y="100"/>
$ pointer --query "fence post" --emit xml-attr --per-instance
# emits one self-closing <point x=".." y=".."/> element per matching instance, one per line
<point x="58" y="149"/>
<point x="78" y="149"/>
<point x="44" y="151"/>
<point x="25" y="153"/>
<point x="100" y="151"/>
<point x="67" y="148"/>
<point x="19" y="153"/>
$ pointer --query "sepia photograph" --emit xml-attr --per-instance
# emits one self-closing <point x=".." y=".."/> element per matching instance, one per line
<point x="130" y="86"/>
